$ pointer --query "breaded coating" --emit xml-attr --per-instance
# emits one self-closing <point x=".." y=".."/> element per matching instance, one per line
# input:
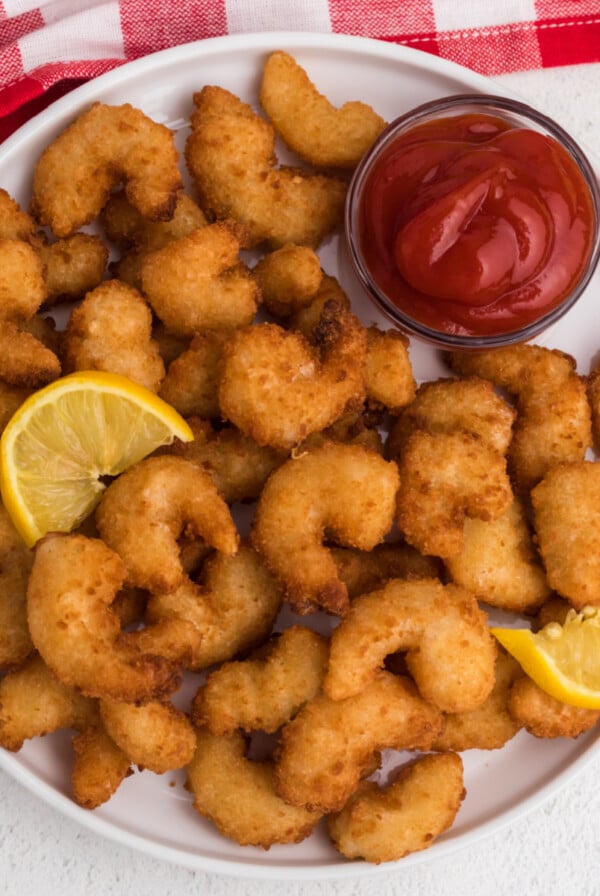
<point x="100" y="767"/>
<point x="111" y="330"/>
<point x="352" y="428"/>
<point x="238" y="794"/>
<point x="469" y="405"/>
<point x="233" y="605"/>
<point x="306" y="320"/>
<point x="445" y="478"/>
<point x="566" y="505"/>
<point x="72" y="266"/>
<point x="593" y="389"/>
<point x="390" y="379"/>
<point x="124" y="225"/>
<point x="289" y="279"/>
<point x="22" y="285"/>
<point x="15" y="224"/>
<point x="553" y="423"/>
<point x="499" y="564"/>
<point x="490" y="725"/>
<point x="237" y="465"/>
<point x="167" y="497"/>
<point x="364" y="571"/>
<point x="103" y="147"/>
<point x="230" y="155"/>
<point x="307" y="121"/>
<point x="450" y="652"/>
<point x="191" y="383"/>
<point x="198" y="282"/>
<point x="72" y="585"/>
<point x="11" y="398"/>
<point x="24" y="361"/>
<point x="278" y="388"/>
<point x="15" y="565"/>
<point x="545" y="716"/>
<point x="155" y="736"/>
<point x="408" y="815"/>
<point x="325" y="749"/>
<point x="169" y="345"/>
<point x="345" y="493"/>
<point x="266" y="690"/>
<point x="33" y="702"/>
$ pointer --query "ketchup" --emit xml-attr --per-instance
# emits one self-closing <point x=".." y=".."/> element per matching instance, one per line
<point x="472" y="225"/>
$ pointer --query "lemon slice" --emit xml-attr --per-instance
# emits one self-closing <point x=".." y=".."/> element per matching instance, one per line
<point x="63" y="439"/>
<point x="564" y="660"/>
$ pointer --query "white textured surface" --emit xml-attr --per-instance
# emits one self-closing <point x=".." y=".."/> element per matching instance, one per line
<point x="553" y="851"/>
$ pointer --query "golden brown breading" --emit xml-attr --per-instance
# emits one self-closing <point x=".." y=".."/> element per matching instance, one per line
<point x="124" y="225"/>
<point x="15" y="565"/>
<point x="267" y="689"/>
<point x="233" y="605"/>
<point x="72" y="266"/>
<point x="11" y="398"/>
<point x="191" y="383"/>
<point x="99" y="768"/>
<point x="364" y="571"/>
<point x="102" y="147"/>
<point x="307" y="121"/>
<point x="22" y="285"/>
<point x="230" y="154"/>
<point x="490" y="725"/>
<point x="15" y="224"/>
<point x="386" y="824"/>
<point x="289" y="279"/>
<point x="390" y="379"/>
<point x="307" y="319"/>
<point x="346" y="491"/>
<point x="450" y="652"/>
<point x="470" y="405"/>
<point x="445" y="478"/>
<point x="111" y="330"/>
<point x="499" y="564"/>
<point x="238" y="795"/>
<point x="24" y="361"/>
<point x="553" y="422"/>
<point x="277" y="388"/>
<point x="155" y="736"/>
<point x="325" y="749"/>
<point x="545" y="716"/>
<point x="198" y="282"/>
<point x="566" y="505"/>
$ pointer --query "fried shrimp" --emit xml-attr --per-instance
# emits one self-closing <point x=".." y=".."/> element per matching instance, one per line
<point x="25" y="362"/>
<point x="449" y="649"/>
<point x="104" y="146"/>
<point x="112" y="330"/>
<point x="490" y="725"/>
<point x="191" y="383"/>
<point x="289" y="279"/>
<point x="167" y="497"/>
<point x="22" y="285"/>
<point x="325" y="749"/>
<point x="390" y="379"/>
<point x="238" y="794"/>
<point x="566" y="507"/>
<point x="15" y="565"/>
<point x="233" y="606"/>
<point x="553" y="422"/>
<point x="364" y="571"/>
<point x="445" y="478"/>
<point x="237" y="465"/>
<point x="15" y="224"/>
<point x="593" y="389"/>
<point x="386" y="824"/>
<point x="545" y="716"/>
<point x="230" y="155"/>
<point x="100" y="767"/>
<point x="266" y="690"/>
<point x="346" y="491"/>
<point x="499" y="564"/>
<point x="72" y="266"/>
<point x="73" y="583"/>
<point x="198" y="281"/>
<point x="307" y="121"/>
<point x="155" y="736"/>
<point x="278" y="388"/>
<point x="469" y="405"/>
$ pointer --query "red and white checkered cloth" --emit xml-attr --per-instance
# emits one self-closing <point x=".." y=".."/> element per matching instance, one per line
<point x="49" y="46"/>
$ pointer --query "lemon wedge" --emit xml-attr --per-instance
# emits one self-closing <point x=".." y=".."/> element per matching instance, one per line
<point x="63" y="439"/>
<point x="564" y="660"/>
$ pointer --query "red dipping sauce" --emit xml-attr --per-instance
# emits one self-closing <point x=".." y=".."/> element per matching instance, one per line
<point x="475" y="223"/>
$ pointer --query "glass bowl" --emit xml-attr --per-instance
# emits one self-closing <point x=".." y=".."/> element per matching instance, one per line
<point x="389" y="206"/>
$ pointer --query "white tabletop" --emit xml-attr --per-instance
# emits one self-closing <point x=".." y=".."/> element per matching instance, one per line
<point x="555" y="849"/>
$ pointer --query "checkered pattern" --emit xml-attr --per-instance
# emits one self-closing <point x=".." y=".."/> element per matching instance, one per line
<point x="49" y="46"/>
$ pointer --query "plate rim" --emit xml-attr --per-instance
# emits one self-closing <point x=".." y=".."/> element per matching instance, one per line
<point x="9" y="762"/>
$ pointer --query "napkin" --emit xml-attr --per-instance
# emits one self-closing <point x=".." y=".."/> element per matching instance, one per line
<point x="49" y="46"/>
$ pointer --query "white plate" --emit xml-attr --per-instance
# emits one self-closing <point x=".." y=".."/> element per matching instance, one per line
<point x="154" y="813"/>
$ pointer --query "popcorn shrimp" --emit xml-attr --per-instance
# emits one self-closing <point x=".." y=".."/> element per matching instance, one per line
<point x="289" y="279"/>
<point x="278" y="388"/>
<point x="449" y="650"/>
<point x="155" y="736"/>
<point x="167" y="497"/>
<point x="104" y="146"/>
<point x="73" y="582"/>
<point x="191" y="383"/>
<point x="347" y="491"/>
<point x="544" y="716"/>
<point x="15" y="565"/>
